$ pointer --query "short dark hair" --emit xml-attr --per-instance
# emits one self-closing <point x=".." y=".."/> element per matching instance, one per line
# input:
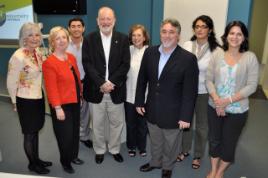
<point x="76" y="19"/>
<point x="245" y="44"/>
<point x="212" y="41"/>
<point x="144" y="32"/>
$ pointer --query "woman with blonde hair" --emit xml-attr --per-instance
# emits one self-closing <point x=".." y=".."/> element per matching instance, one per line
<point x="63" y="87"/>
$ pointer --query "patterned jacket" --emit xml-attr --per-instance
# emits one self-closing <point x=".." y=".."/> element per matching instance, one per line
<point x="24" y="78"/>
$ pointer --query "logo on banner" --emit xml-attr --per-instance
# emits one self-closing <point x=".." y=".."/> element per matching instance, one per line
<point x="2" y="14"/>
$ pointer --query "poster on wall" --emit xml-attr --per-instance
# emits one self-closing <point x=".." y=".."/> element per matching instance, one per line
<point x="13" y="13"/>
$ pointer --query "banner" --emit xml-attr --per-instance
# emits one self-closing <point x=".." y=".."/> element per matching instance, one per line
<point x="14" y="13"/>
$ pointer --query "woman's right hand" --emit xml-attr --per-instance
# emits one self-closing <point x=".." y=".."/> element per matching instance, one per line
<point x="218" y="105"/>
<point x="220" y="111"/>
<point x="60" y="114"/>
<point x="15" y="107"/>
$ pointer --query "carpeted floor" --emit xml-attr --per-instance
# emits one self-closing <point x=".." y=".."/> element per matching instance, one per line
<point x="251" y="153"/>
<point x="259" y="94"/>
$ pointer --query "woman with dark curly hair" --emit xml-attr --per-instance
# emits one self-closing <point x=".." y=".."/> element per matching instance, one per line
<point x="202" y="44"/>
<point x="232" y="76"/>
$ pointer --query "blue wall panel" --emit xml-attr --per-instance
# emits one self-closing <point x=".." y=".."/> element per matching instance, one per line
<point x="5" y="54"/>
<point x="128" y="12"/>
<point x="240" y="10"/>
<point x="146" y="12"/>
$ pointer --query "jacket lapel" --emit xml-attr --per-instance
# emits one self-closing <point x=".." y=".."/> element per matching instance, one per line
<point x="114" y="44"/>
<point x="156" y="64"/>
<point x="99" y="45"/>
<point x="172" y="61"/>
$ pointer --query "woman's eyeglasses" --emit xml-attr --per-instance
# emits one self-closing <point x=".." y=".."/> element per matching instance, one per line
<point x="200" y="27"/>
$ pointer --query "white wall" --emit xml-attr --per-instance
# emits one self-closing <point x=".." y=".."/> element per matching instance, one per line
<point x="187" y="10"/>
<point x="264" y="74"/>
<point x="265" y="49"/>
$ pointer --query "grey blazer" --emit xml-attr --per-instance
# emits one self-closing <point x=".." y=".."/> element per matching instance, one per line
<point x="246" y="75"/>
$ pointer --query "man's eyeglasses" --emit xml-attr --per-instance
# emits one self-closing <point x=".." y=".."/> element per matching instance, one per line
<point x="200" y="26"/>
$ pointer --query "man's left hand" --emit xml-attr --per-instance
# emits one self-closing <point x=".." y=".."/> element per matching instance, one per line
<point x="184" y="125"/>
<point x="107" y="87"/>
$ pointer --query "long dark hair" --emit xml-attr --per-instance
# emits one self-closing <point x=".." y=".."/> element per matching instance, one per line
<point x="245" y="45"/>
<point x="212" y="41"/>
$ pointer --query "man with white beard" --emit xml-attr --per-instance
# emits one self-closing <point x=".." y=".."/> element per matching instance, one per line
<point x="106" y="61"/>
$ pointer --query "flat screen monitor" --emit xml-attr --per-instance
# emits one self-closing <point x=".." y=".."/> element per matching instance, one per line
<point x="60" y="6"/>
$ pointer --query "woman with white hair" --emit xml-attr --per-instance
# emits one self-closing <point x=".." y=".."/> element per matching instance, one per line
<point x="24" y="84"/>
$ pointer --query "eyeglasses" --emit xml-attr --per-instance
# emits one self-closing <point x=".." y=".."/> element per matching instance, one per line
<point x="200" y="26"/>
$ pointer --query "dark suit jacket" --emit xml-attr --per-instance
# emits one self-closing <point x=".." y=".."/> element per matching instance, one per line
<point x="171" y="97"/>
<point x="94" y="64"/>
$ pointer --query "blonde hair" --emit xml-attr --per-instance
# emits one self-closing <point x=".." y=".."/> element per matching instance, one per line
<point x="52" y="35"/>
<point x="27" y="29"/>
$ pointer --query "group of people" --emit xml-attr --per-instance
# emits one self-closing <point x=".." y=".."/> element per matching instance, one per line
<point x="111" y="78"/>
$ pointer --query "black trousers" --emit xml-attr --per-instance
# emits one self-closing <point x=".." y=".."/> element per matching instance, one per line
<point x="67" y="132"/>
<point x="224" y="133"/>
<point x="136" y="128"/>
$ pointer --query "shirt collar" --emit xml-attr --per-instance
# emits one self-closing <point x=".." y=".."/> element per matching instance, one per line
<point x="105" y="36"/>
<point x="202" y="46"/>
<point x="160" y="49"/>
<point x="72" y="43"/>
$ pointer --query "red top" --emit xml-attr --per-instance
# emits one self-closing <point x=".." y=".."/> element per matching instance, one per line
<point x="60" y="81"/>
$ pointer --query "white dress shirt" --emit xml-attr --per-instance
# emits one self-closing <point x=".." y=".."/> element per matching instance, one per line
<point x="77" y="52"/>
<point x="132" y="76"/>
<point x="106" y="43"/>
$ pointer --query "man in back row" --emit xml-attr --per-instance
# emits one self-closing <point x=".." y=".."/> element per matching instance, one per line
<point x="76" y="28"/>
<point x="106" y="61"/>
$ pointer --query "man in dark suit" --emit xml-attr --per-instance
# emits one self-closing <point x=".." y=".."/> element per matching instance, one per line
<point x="106" y="61"/>
<point x="171" y="74"/>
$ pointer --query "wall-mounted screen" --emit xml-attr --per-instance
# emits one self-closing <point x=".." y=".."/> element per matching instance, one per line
<point x="60" y="6"/>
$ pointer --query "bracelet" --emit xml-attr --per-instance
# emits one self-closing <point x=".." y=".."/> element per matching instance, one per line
<point x="58" y="107"/>
<point x="230" y="99"/>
